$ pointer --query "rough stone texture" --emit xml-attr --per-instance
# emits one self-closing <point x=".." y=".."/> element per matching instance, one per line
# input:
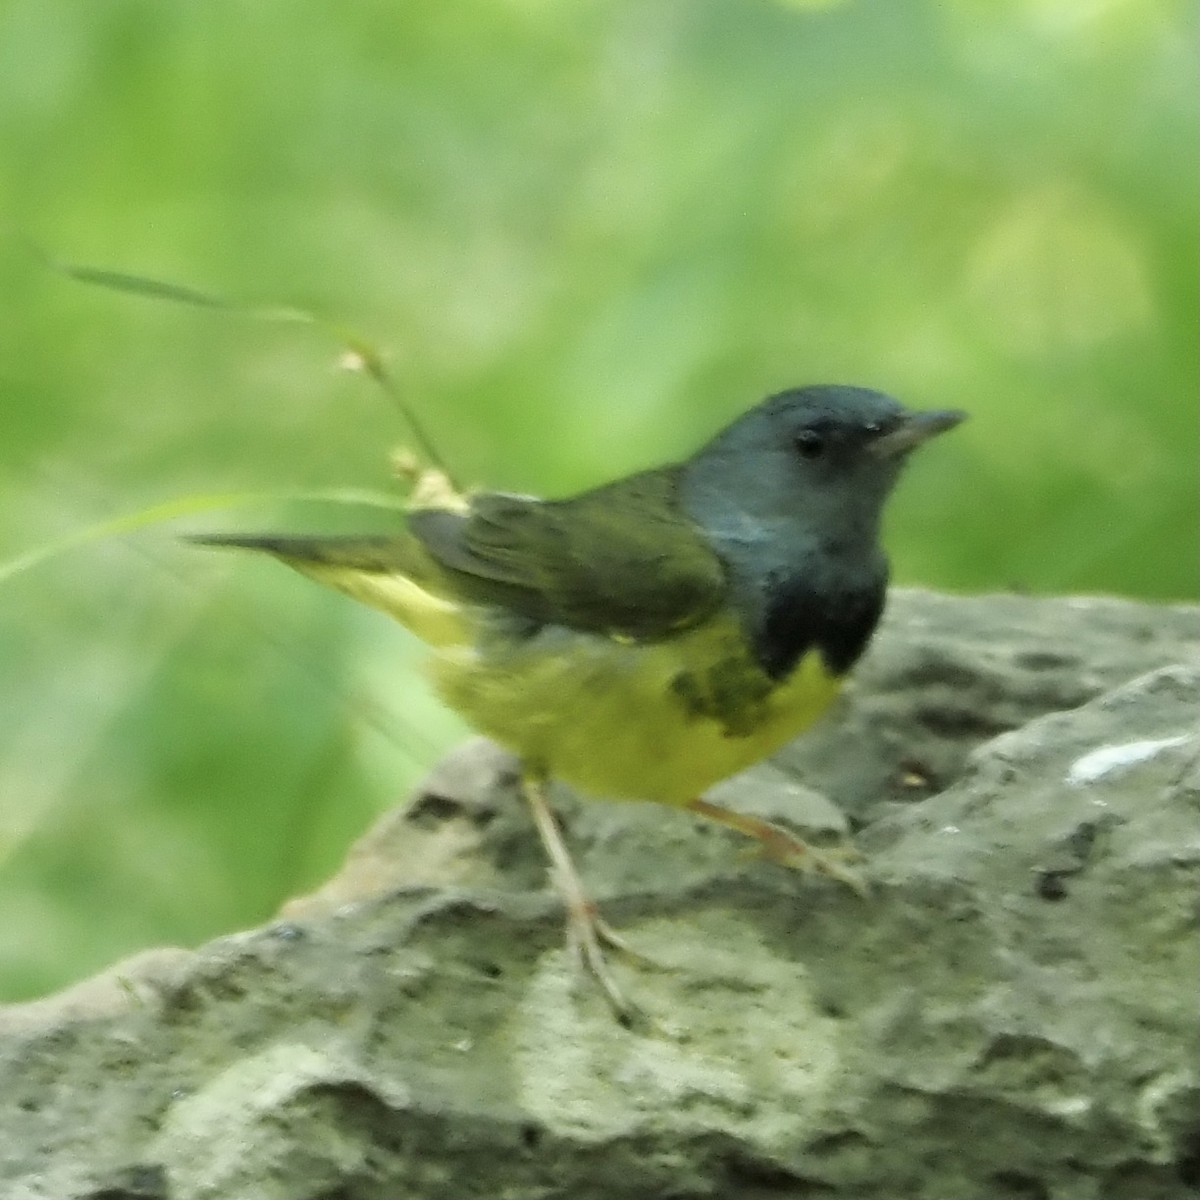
<point x="1013" y="1016"/>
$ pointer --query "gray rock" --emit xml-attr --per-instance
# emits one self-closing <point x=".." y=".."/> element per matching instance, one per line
<point x="1012" y="1016"/>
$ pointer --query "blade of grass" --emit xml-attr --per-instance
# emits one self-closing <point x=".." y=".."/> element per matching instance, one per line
<point x="358" y="353"/>
<point x="185" y="506"/>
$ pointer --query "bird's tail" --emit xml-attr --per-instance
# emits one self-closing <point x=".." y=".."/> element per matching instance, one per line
<point x="392" y="573"/>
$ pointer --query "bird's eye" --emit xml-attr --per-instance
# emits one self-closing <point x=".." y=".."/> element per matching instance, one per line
<point x="809" y="444"/>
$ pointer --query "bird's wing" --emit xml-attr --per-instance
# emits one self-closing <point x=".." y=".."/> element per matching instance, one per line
<point x="621" y="560"/>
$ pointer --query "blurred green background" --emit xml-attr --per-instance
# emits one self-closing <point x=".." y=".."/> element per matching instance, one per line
<point x="586" y="234"/>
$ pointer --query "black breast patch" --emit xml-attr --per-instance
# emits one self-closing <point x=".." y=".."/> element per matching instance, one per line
<point x="799" y="617"/>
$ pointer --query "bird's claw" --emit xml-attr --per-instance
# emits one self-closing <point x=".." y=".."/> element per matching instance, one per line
<point x="587" y="935"/>
<point x="781" y="847"/>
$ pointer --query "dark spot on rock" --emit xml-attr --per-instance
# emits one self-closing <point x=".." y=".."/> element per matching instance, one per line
<point x="1045" y="660"/>
<point x="1070" y="856"/>
<point x="953" y="721"/>
<point x="1081" y="839"/>
<point x="1017" y="1185"/>
<point x="1189" y="1164"/>
<point x="1051" y="885"/>
<point x="845" y="1141"/>
<point x="432" y="809"/>
<point x="934" y="667"/>
<point x="142" y="1181"/>
<point x="531" y="1136"/>
<point x="743" y="1172"/>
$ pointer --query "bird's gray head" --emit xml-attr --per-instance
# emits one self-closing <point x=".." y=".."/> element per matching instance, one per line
<point x="790" y="497"/>
<point x="812" y="465"/>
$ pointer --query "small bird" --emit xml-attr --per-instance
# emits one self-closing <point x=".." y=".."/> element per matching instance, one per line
<point x="649" y="637"/>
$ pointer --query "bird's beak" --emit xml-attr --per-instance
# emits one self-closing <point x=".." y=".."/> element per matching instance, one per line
<point x="915" y="428"/>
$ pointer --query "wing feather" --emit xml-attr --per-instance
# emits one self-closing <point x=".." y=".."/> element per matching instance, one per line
<point x="622" y="559"/>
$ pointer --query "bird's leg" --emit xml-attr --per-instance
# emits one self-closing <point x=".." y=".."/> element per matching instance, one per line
<point x="783" y="847"/>
<point x="587" y="932"/>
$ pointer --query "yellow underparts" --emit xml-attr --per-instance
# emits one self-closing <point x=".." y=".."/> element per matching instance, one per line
<point x="658" y="721"/>
<point x="628" y="720"/>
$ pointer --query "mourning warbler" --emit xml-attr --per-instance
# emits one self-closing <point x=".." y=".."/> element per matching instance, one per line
<point x="649" y="637"/>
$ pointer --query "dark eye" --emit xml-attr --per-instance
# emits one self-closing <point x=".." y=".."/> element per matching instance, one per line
<point x="809" y="444"/>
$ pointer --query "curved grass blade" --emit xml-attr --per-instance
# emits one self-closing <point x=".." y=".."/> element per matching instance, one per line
<point x="186" y="506"/>
<point x="358" y="352"/>
<point x="139" y="285"/>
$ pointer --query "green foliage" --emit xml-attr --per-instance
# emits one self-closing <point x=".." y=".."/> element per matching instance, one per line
<point x="586" y="233"/>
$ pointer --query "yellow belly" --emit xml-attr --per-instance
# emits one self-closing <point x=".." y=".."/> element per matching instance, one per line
<point x="616" y="719"/>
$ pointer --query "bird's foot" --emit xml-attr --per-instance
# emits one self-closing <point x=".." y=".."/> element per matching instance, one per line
<point x="587" y="932"/>
<point x="780" y="846"/>
<point x="587" y="936"/>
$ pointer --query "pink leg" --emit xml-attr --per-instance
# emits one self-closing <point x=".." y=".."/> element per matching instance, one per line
<point x="587" y="932"/>
<point x="782" y="847"/>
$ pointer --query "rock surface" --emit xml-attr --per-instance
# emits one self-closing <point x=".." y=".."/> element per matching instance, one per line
<point x="1013" y="1016"/>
